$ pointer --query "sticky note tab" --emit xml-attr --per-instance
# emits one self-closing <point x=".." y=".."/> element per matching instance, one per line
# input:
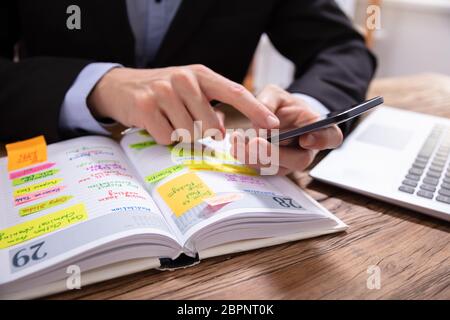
<point x="203" y="152"/>
<point x="34" y="177"/>
<point x="144" y="133"/>
<point x="219" y="167"/>
<point x="142" y="145"/>
<point x="43" y="205"/>
<point x="157" y="176"/>
<point x="184" y="193"/>
<point x="26" y="153"/>
<point x="223" y="198"/>
<point x="25" y="172"/>
<point x="36" y="187"/>
<point x="37" y="195"/>
<point x="34" y="228"/>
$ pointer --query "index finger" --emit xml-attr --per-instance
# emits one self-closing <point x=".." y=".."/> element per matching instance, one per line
<point x="220" y="88"/>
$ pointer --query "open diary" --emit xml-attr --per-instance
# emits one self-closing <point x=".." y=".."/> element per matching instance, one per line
<point x="107" y="209"/>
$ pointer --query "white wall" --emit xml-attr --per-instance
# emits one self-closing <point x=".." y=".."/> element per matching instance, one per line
<point x="348" y="6"/>
<point x="414" y="36"/>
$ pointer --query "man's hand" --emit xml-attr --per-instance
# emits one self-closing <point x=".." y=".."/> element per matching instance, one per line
<point x="293" y="112"/>
<point x="161" y="100"/>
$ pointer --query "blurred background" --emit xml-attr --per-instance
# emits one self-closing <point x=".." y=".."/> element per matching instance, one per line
<point x="414" y="37"/>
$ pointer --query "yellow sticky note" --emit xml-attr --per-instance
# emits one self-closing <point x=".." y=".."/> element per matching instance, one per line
<point x="45" y="224"/>
<point x="36" y="187"/>
<point x="26" y="153"/>
<point x="184" y="193"/>
<point x="219" y="167"/>
<point x="44" y="205"/>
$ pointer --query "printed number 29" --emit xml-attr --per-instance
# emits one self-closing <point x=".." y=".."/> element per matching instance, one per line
<point x="287" y="202"/>
<point x="23" y="256"/>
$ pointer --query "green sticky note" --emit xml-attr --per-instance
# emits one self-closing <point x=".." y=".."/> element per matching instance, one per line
<point x="33" y="177"/>
<point x="144" y="133"/>
<point x="43" y="205"/>
<point x="36" y="187"/>
<point x="142" y="145"/>
<point x="163" y="173"/>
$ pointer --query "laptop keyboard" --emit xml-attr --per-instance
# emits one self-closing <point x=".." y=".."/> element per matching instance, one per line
<point x="429" y="175"/>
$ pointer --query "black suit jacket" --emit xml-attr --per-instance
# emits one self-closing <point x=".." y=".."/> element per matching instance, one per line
<point x="332" y="62"/>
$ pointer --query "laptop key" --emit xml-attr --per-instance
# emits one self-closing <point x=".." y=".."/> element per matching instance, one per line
<point x="444" y="192"/>
<point x="425" y="194"/>
<point x="446" y="180"/>
<point x="410" y="183"/>
<point x="419" y="165"/>
<point x="436" y="169"/>
<point x="445" y="185"/>
<point x="422" y="161"/>
<point x="427" y="187"/>
<point x="442" y="160"/>
<point x="440" y="156"/>
<point x="423" y="157"/>
<point x="437" y="163"/>
<point x="426" y="153"/>
<point x="415" y="171"/>
<point x="406" y="189"/>
<point x="431" y="181"/>
<point x="412" y="177"/>
<point x="443" y="199"/>
<point x="432" y="174"/>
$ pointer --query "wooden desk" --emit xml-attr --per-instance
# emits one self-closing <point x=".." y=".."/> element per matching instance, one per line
<point x="412" y="250"/>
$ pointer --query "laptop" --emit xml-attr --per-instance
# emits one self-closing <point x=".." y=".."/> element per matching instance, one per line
<point x="397" y="156"/>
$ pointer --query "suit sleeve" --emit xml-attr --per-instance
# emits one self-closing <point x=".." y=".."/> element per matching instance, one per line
<point x="32" y="90"/>
<point x="332" y="62"/>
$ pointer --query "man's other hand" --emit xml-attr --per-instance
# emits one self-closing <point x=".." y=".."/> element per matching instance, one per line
<point x="293" y="112"/>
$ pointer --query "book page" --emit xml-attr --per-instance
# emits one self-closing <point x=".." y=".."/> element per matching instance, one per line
<point x="84" y="195"/>
<point x="201" y="186"/>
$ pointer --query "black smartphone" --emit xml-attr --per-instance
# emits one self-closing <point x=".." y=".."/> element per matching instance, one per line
<point x="329" y="119"/>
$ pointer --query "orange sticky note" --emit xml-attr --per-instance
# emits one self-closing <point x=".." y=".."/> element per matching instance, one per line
<point x="26" y="153"/>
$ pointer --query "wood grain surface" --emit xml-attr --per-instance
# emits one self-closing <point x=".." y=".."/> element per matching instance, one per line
<point x="411" y="250"/>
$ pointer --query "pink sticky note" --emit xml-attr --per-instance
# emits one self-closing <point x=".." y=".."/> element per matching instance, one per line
<point x="223" y="198"/>
<point x="26" y="172"/>
<point x="37" y="195"/>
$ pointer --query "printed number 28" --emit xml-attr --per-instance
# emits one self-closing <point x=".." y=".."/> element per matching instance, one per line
<point x="287" y="202"/>
<point x="23" y="256"/>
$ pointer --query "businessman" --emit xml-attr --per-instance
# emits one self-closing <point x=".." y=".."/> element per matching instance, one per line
<point x="157" y="64"/>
